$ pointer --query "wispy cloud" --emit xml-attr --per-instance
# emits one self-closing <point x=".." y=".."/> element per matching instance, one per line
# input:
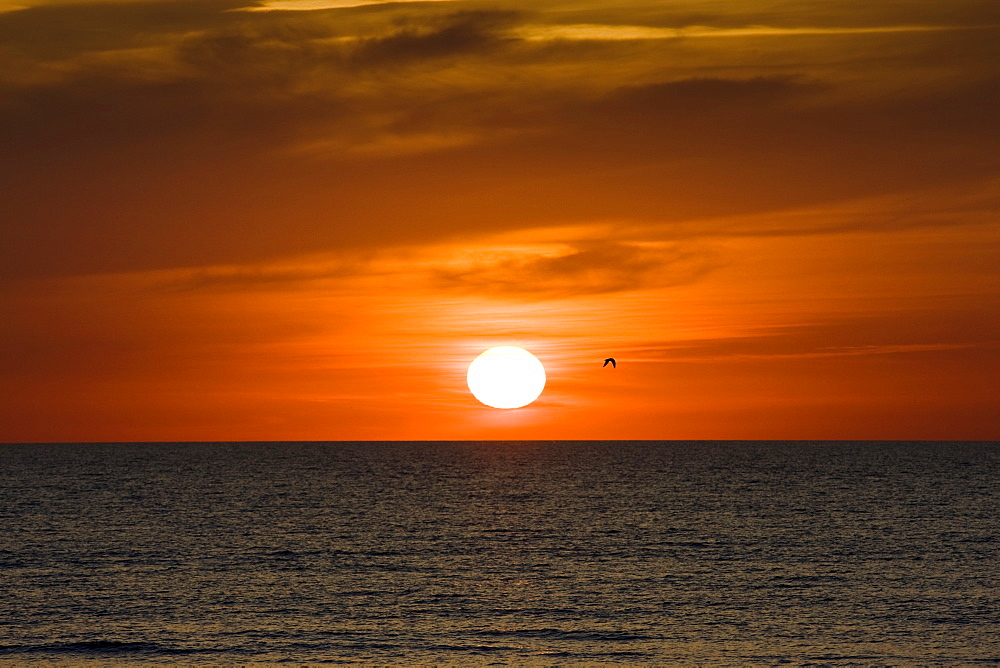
<point x="463" y="33"/>
<point x="313" y="5"/>
<point x="579" y="268"/>
<point x="268" y="275"/>
<point x="600" y="32"/>
<point x="824" y="353"/>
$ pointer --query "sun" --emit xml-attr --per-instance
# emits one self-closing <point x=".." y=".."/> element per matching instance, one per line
<point x="506" y="377"/>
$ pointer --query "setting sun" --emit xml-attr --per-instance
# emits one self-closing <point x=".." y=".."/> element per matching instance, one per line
<point x="506" y="377"/>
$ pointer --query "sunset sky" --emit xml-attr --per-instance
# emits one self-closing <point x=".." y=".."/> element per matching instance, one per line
<point x="302" y="219"/>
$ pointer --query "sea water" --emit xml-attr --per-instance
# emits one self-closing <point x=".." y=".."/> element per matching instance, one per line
<point x="501" y="553"/>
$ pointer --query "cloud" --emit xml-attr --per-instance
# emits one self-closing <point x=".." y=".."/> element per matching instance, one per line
<point x="528" y="265"/>
<point x="461" y="34"/>
<point x="148" y="135"/>
<point x="962" y="327"/>
<point x="383" y="145"/>
<point x="313" y="5"/>
<point x="824" y="353"/>
<point x="598" y="32"/>
<point x="968" y="205"/>
<point x="584" y="267"/>
<point x="692" y="97"/>
<point x="269" y="275"/>
<point x="56" y="32"/>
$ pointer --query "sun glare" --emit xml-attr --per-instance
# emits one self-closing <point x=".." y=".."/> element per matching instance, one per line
<point x="506" y="377"/>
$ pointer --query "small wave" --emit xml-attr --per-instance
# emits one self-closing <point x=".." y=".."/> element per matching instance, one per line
<point x="101" y="647"/>
<point x="845" y="657"/>
<point x="559" y="634"/>
<point x="470" y="649"/>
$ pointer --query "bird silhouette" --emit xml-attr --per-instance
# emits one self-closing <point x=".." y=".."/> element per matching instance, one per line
<point x="613" y="364"/>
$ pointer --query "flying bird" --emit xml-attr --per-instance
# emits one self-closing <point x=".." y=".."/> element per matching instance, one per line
<point x="613" y="364"/>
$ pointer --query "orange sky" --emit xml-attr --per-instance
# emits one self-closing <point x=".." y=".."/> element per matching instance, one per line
<point x="302" y="219"/>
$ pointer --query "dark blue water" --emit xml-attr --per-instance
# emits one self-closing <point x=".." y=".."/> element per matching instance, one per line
<point x="518" y="553"/>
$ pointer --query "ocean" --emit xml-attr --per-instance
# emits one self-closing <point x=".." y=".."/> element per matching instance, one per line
<point x="501" y="553"/>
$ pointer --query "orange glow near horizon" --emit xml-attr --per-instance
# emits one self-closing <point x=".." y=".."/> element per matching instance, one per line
<point x="305" y="225"/>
